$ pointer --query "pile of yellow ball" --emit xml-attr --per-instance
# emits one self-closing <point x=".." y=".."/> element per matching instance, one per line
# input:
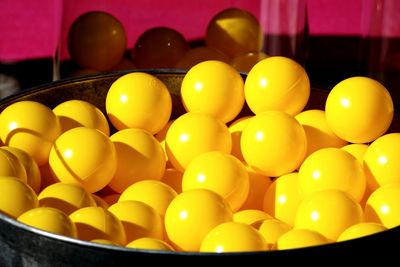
<point x="210" y="180"/>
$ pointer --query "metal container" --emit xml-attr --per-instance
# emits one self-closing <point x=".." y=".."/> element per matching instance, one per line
<point x="22" y="245"/>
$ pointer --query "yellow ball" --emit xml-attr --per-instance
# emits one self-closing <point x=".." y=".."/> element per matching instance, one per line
<point x="318" y="133"/>
<point x="215" y="88"/>
<point x="271" y="230"/>
<point x="192" y="214"/>
<point x="65" y="197"/>
<point x="328" y="212"/>
<point x="100" y="202"/>
<point x="332" y="168"/>
<point x="219" y="172"/>
<point x="199" y="54"/>
<point x="234" y="31"/>
<point x="156" y="194"/>
<point x="383" y="206"/>
<point x="149" y="243"/>
<point x="236" y="129"/>
<point x="382" y="161"/>
<point x="194" y="133"/>
<point x="250" y="216"/>
<point x="77" y="113"/>
<point x="361" y="230"/>
<point x="32" y="170"/>
<point x="104" y="242"/>
<point x="277" y="83"/>
<point x="139" y="157"/>
<point x="98" y="223"/>
<point x="10" y="165"/>
<point x="30" y="126"/>
<point x="258" y="186"/>
<point x="233" y="237"/>
<point x="139" y="100"/>
<point x="357" y="150"/>
<point x="84" y="156"/>
<point x="16" y="197"/>
<point x="283" y="197"/>
<point x="359" y="109"/>
<point x="245" y="62"/>
<point x="273" y="143"/>
<point x="138" y="219"/>
<point x="300" y="238"/>
<point x="50" y="220"/>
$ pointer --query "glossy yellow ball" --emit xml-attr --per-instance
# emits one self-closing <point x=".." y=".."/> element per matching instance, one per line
<point x="359" y="109"/>
<point x="277" y="83"/>
<point x="271" y="230"/>
<point x="250" y="216"/>
<point x="361" y="230"/>
<point x="258" y="186"/>
<point x="50" y="220"/>
<point x="300" y="238"/>
<point x="149" y="243"/>
<point x="10" y="165"/>
<point x="139" y="100"/>
<point x="213" y="87"/>
<point x="194" y="133"/>
<point x="192" y="214"/>
<point x="219" y="172"/>
<point x="273" y="143"/>
<point x="233" y="237"/>
<point x="328" y="212"/>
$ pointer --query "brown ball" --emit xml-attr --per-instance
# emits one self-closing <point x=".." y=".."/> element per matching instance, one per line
<point x="96" y="40"/>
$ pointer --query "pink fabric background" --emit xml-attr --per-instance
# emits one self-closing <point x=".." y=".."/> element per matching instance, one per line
<point x="31" y="29"/>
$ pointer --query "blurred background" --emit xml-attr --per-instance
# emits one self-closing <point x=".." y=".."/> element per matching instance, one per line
<point x="332" y="39"/>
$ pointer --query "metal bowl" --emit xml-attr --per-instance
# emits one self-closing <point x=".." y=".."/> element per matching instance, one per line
<point x="22" y="245"/>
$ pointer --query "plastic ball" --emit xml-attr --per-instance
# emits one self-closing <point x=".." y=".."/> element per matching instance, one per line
<point x="16" y="197"/>
<point x="76" y="113"/>
<point x="258" y="186"/>
<point x="159" y="47"/>
<point x="277" y="83"/>
<point x="149" y="243"/>
<point x="361" y="230"/>
<point x="328" y="212"/>
<point x="273" y="143"/>
<point x="139" y="219"/>
<point x="156" y="194"/>
<point x="139" y="157"/>
<point x="10" y="165"/>
<point x="318" y="133"/>
<point x="234" y="31"/>
<point x="271" y="230"/>
<point x="250" y="216"/>
<point x="300" y="238"/>
<point x="84" y="156"/>
<point x="192" y="214"/>
<point x="139" y="100"/>
<point x="32" y="134"/>
<point x="32" y="170"/>
<point x="332" y="168"/>
<point x="245" y="62"/>
<point x="383" y="206"/>
<point x="213" y="87"/>
<point x="199" y="54"/>
<point x="236" y="129"/>
<point x="65" y="197"/>
<point x="98" y="223"/>
<point x="357" y="150"/>
<point x="194" y="133"/>
<point x="283" y="197"/>
<point x="381" y="161"/>
<point x="96" y="40"/>
<point x="219" y="172"/>
<point x="233" y="237"/>
<point x="50" y="220"/>
<point x="359" y="109"/>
